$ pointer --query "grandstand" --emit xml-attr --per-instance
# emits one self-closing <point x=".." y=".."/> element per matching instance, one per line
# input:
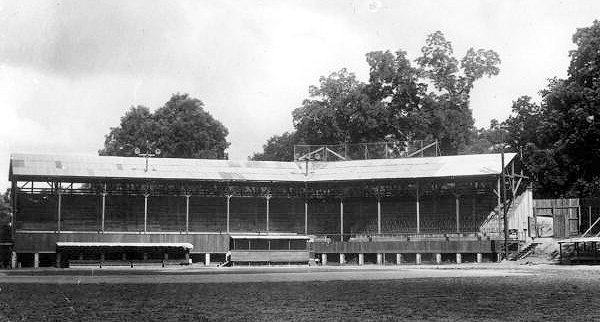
<point x="72" y="209"/>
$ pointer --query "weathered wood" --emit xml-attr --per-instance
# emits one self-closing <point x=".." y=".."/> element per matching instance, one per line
<point x="269" y="256"/>
<point x="424" y="246"/>
<point x="46" y="242"/>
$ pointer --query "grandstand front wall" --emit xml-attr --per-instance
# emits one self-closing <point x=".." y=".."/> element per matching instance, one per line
<point x="383" y="216"/>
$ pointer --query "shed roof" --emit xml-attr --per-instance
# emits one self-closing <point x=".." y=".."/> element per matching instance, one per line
<point x="123" y="244"/>
<point x="70" y="167"/>
<point x="410" y="168"/>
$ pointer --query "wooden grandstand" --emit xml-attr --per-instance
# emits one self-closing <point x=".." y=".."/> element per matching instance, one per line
<point x="68" y="209"/>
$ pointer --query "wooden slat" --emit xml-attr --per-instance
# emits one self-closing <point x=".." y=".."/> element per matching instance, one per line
<point x="428" y="246"/>
<point x="269" y="256"/>
<point x="40" y="242"/>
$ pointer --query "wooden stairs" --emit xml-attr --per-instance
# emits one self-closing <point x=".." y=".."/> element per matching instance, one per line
<point x="524" y="252"/>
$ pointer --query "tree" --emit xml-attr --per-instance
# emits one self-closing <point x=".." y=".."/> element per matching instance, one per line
<point x="278" y="148"/>
<point x="397" y="102"/>
<point x="5" y="216"/>
<point x="180" y="129"/>
<point x="560" y="137"/>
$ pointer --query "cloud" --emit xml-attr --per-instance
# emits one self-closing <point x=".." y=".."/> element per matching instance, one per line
<point x="70" y="69"/>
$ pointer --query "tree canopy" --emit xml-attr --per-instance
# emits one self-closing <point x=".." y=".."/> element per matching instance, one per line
<point x="180" y="129"/>
<point x="427" y="100"/>
<point x="560" y="136"/>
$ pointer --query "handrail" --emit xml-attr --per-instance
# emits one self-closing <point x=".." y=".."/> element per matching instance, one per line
<point x="592" y="226"/>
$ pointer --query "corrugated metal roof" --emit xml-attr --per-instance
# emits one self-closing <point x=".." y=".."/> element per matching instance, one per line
<point x="427" y="167"/>
<point x="75" y="166"/>
<point x="90" y="166"/>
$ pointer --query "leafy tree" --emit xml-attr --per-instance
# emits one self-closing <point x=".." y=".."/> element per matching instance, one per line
<point x="278" y="148"/>
<point x="180" y="129"/>
<point x="560" y="137"/>
<point x="5" y="216"/>
<point x="397" y="101"/>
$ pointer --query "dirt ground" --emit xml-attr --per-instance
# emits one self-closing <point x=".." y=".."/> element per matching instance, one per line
<point x="494" y="292"/>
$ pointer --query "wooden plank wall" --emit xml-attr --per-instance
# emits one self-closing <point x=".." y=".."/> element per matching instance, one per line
<point x="423" y="246"/>
<point x="566" y="214"/>
<point x="269" y="256"/>
<point x="46" y="242"/>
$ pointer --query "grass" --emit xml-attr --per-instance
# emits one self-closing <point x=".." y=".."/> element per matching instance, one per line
<point x="569" y="295"/>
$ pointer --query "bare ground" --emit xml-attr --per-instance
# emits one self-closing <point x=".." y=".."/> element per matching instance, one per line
<point x="469" y="293"/>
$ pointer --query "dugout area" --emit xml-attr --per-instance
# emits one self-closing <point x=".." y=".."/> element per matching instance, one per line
<point x="86" y="209"/>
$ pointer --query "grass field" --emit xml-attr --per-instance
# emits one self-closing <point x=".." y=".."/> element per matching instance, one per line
<point x="532" y="294"/>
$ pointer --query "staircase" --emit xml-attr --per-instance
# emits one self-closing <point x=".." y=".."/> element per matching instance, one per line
<point x="524" y="252"/>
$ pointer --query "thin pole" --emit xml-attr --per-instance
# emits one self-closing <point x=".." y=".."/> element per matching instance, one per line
<point x="228" y="198"/>
<point x="418" y="212"/>
<point x="305" y="217"/>
<point x="103" y="210"/>
<point x="458" y="213"/>
<point x="59" y="211"/>
<point x="268" y="198"/>
<point x="378" y="216"/>
<point x="504" y="202"/>
<point x="187" y="214"/>
<point x="341" y="220"/>
<point x="146" y="212"/>
<point x="590" y="215"/>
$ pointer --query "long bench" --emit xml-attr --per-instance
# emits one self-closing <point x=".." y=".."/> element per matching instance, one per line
<point x="125" y="263"/>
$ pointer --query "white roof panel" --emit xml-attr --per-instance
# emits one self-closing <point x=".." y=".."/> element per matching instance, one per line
<point x="91" y="166"/>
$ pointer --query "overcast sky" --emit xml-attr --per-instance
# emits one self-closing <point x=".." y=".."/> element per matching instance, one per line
<point x="70" y="69"/>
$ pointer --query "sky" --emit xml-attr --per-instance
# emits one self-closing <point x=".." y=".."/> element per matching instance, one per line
<point x="70" y="69"/>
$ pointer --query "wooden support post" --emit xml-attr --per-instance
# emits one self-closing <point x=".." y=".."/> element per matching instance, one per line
<point x="323" y="259"/>
<point x="187" y="214"/>
<point x="342" y="259"/>
<point x="102" y="256"/>
<point x="146" y="212"/>
<point x="458" y="258"/>
<point x="305" y="217"/>
<point x="58" y="259"/>
<point x="438" y="258"/>
<point x="418" y="213"/>
<point x="457" y="207"/>
<point x="268" y="199"/>
<point x="341" y="220"/>
<point x="498" y="257"/>
<point x="59" y="211"/>
<point x="499" y="205"/>
<point x="379" y="259"/>
<point x="13" y="204"/>
<point x="398" y="259"/>
<point x="479" y="258"/>
<point x="228" y="201"/>
<point x="13" y="259"/>
<point x="103" y="211"/>
<point x="578" y="218"/>
<point x="361" y="259"/>
<point x="560" y="253"/>
<point x="166" y="256"/>
<point x="418" y="258"/>
<point x="378" y="216"/>
<point x="589" y="216"/>
<point x="207" y="259"/>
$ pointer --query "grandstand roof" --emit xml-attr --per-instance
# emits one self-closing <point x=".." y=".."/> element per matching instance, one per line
<point x="72" y="167"/>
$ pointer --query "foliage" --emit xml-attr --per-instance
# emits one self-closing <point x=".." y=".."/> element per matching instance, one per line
<point x="560" y="137"/>
<point x="5" y="215"/>
<point x="428" y="100"/>
<point x="180" y="129"/>
<point x="278" y="148"/>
